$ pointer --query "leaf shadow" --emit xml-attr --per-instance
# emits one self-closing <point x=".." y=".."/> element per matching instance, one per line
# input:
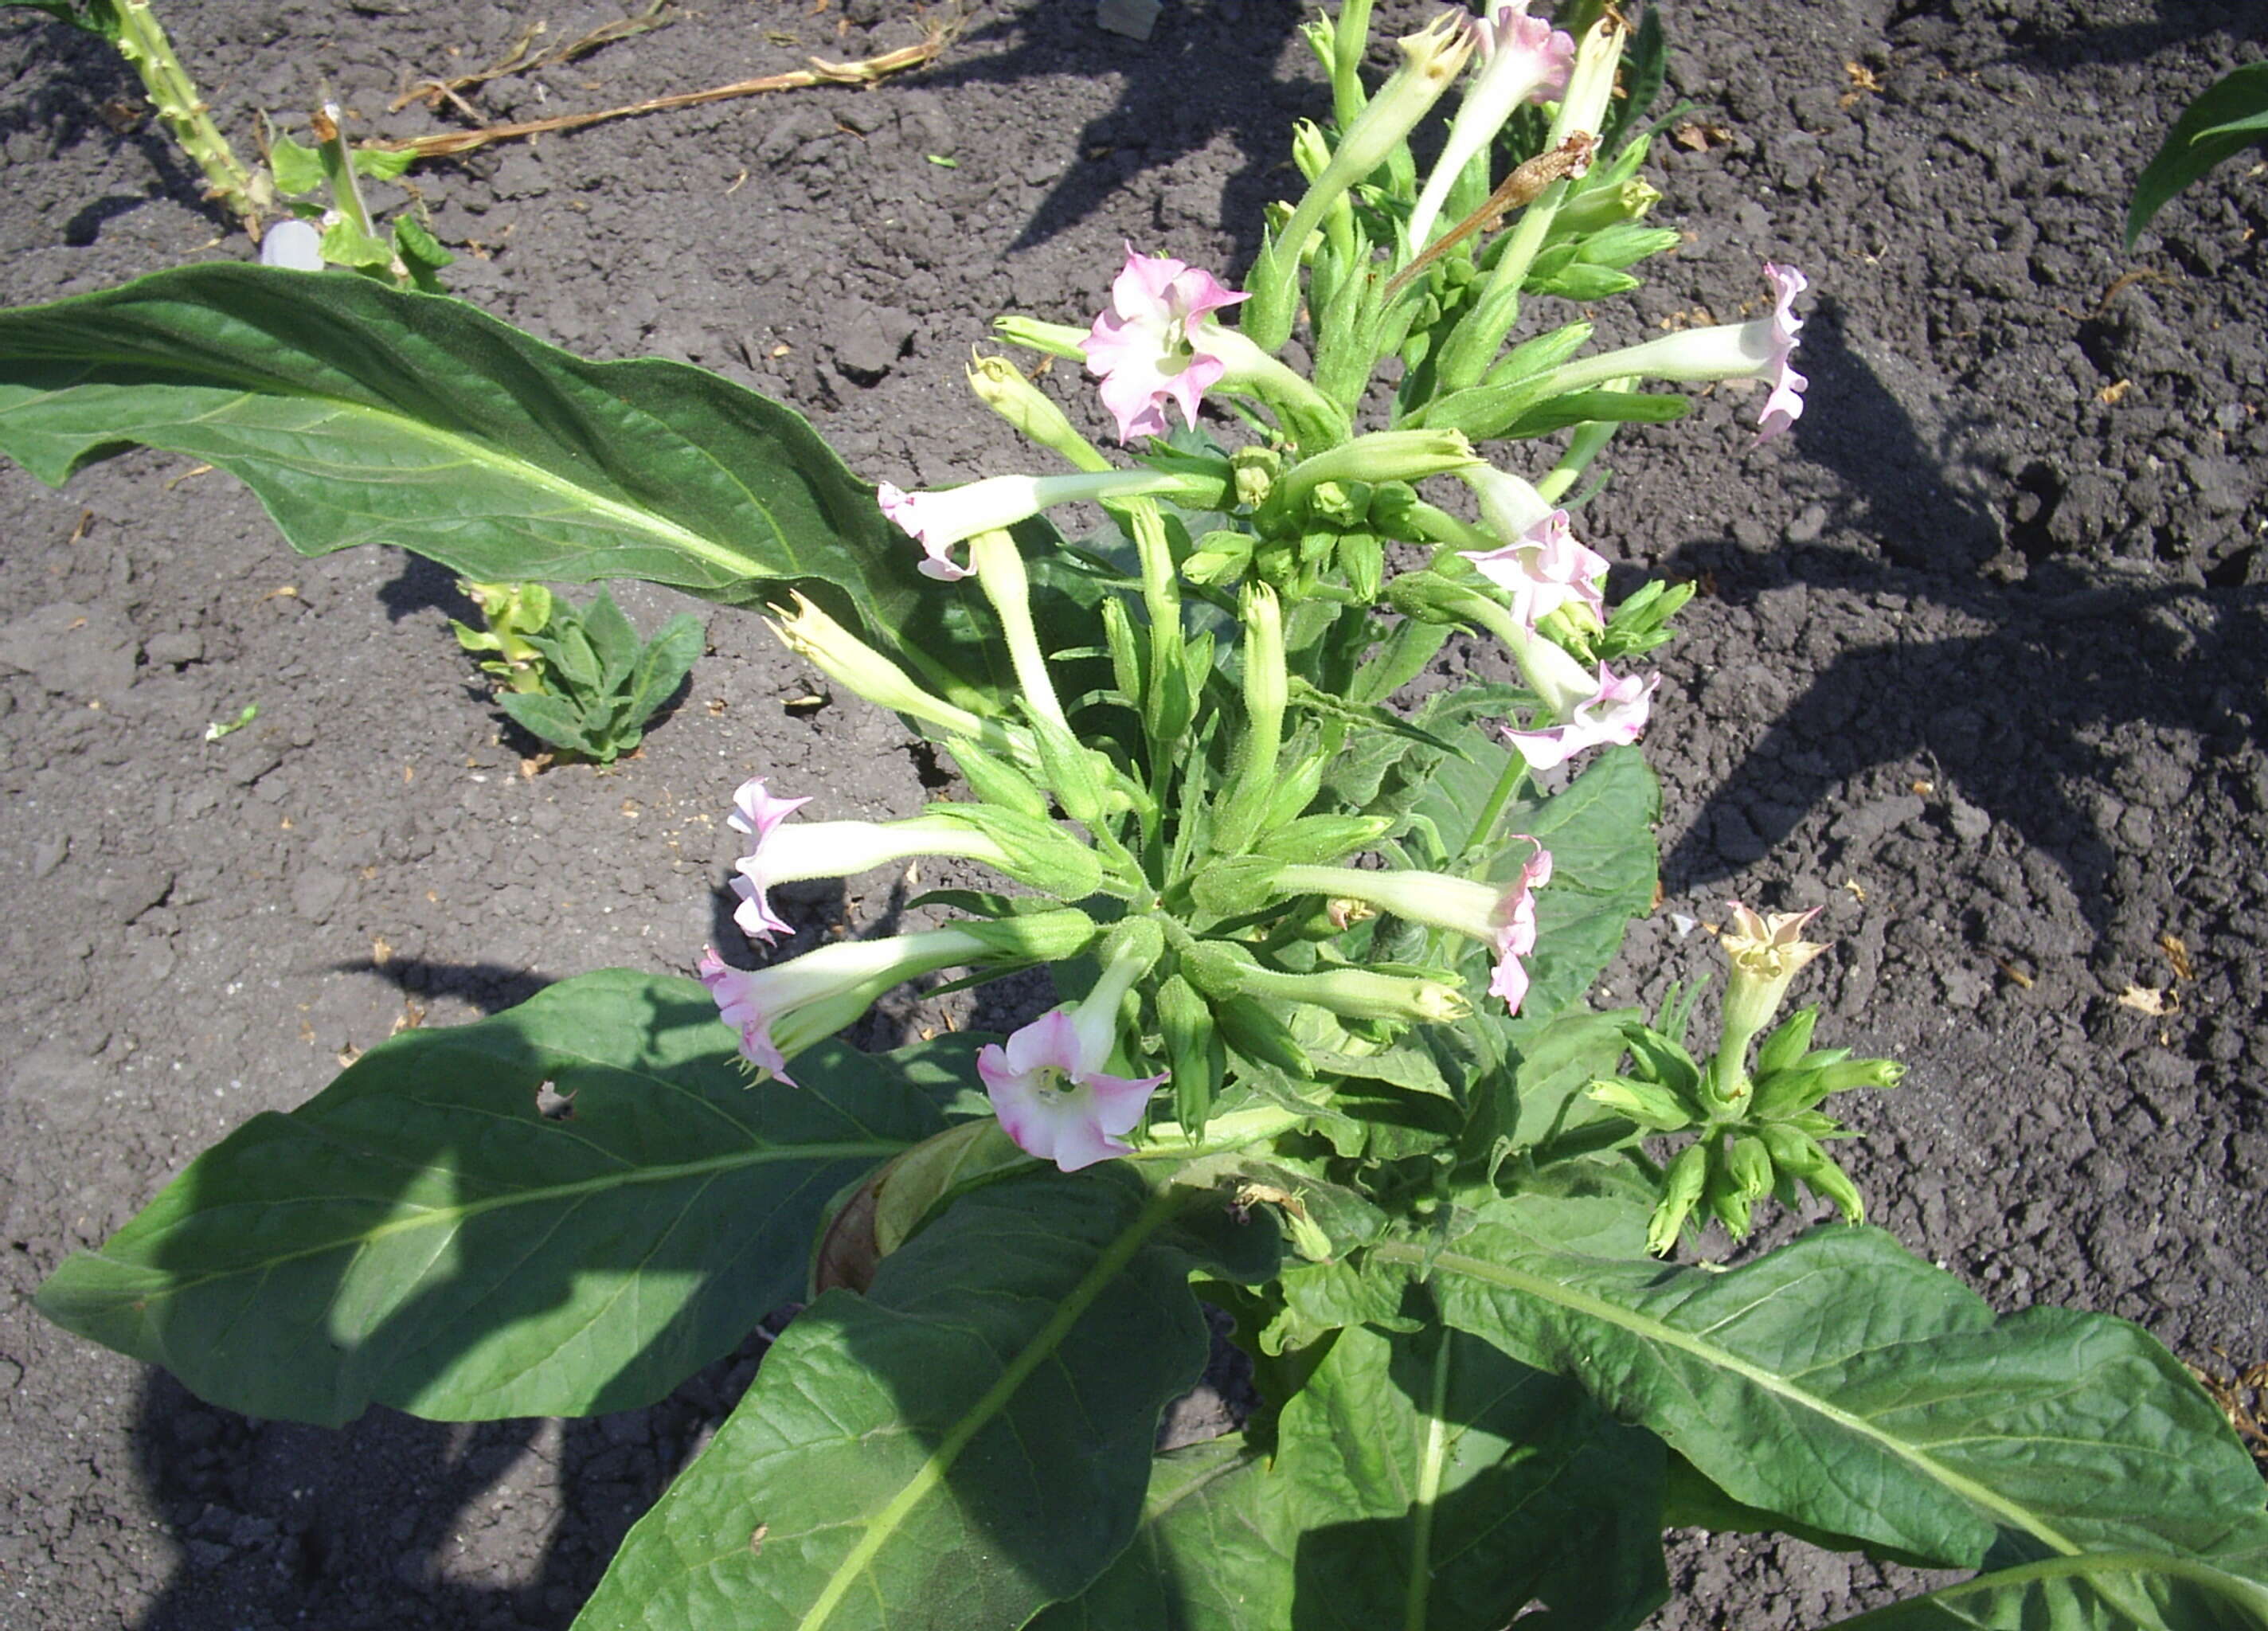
<point x="370" y="1523"/>
<point x="288" y="1514"/>
<point x="2072" y="662"/>
<point x="1173" y="100"/>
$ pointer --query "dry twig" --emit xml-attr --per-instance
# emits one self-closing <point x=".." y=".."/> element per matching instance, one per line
<point x="433" y="92"/>
<point x="867" y="71"/>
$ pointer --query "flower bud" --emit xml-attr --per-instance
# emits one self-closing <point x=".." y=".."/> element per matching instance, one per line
<point x="1362" y="557"/>
<point x="1831" y="1184"/>
<point x="1748" y="1167"/>
<point x="1002" y="387"/>
<point x="1600" y="206"/>
<point x="1734" y="1210"/>
<point x="996" y="781"/>
<point x="1255" y="470"/>
<point x="1053" y="936"/>
<point x="1681" y="1190"/>
<point x="1787" y="1044"/>
<point x="1195" y="1056"/>
<point x="1055" y="339"/>
<point x="1339" y="504"/>
<point x="1651" y="1106"/>
<point x="1360" y="995"/>
<point x="1792" y="1151"/>
<point x="1309" y="149"/>
<point x="810" y="634"/>
<point x="1383" y="456"/>
<point x="1032" y="849"/>
<point x="1220" y="557"/>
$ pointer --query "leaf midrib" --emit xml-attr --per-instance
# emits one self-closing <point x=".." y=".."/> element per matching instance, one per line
<point x="1657" y="1331"/>
<point x="629" y="517"/>
<point x="436" y="1216"/>
<point x="1042" y="1345"/>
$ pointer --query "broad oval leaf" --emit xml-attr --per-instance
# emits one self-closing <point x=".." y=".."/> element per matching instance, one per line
<point x="421" y="1234"/>
<point x="1420" y="1481"/>
<point x="1851" y="1388"/>
<point x="1212" y="1553"/>
<point x="2095" y="1591"/>
<point x="957" y="1449"/>
<point x="364" y="414"/>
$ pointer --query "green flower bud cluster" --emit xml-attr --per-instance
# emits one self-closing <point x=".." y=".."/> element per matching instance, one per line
<point x="1766" y="1142"/>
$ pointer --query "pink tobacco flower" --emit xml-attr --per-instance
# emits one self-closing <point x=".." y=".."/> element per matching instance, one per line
<point x="1521" y="59"/>
<point x="740" y="1004"/>
<point x="1543" y="569"/>
<point x="1784" y="405"/>
<point x="782" y="1009"/>
<point x="1498" y="915"/>
<point x="1049" y="1089"/>
<point x="1761" y="349"/>
<point x="1616" y="713"/>
<point x="1524" y="48"/>
<point x="1515" y="934"/>
<point x="831" y="849"/>
<point x="912" y="510"/>
<point x="756" y="813"/>
<point x="1145" y="347"/>
<point x="942" y="517"/>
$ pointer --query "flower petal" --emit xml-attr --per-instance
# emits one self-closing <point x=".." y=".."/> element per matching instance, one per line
<point x="1119" y="1101"/>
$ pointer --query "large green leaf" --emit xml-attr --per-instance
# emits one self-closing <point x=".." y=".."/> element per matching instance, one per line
<point x="1212" y="1553"/>
<point x="961" y="1446"/>
<point x="363" y="413"/>
<point x="2228" y="116"/>
<point x="420" y="1234"/>
<point x="1420" y="1481"/>
<point x="1600" y="832"/>
<point x="1844" y="1385"/>
<point x="2098" y="1591"/>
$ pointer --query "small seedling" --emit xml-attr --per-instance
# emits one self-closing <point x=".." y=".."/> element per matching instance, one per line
<point x="215" y="730"/>
<point x="581" y="681"/>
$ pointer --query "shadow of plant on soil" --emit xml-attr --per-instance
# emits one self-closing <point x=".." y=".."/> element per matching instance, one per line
<point x="1159" y="118"/>
<point x="274" y="1510"/>
<point x="2067" y="661"/>
<point x="424" y="1478"/>
<point x="92" y="93"/>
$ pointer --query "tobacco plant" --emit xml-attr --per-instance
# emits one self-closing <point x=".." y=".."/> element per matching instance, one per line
<point x="1322" y="1060"/>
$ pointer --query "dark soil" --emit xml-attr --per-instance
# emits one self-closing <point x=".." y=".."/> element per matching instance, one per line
<point x="1980" y="662"/>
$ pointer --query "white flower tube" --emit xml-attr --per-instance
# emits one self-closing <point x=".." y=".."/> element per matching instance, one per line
<point x="1524" y="59"/>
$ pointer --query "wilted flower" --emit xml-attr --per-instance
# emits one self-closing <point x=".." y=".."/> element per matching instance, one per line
<point x="1766" y="952"/>
<point x="1616" y="713"/>
<point x="1052" y="1095"/>
<point x="1770" y="945"/>
<point x="1149" y="352"/>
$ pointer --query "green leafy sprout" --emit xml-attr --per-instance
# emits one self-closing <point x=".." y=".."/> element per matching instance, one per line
<point x="581" y="681"/>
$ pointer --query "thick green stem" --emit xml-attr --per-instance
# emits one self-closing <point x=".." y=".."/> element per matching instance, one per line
<point x="141" y="41"/>
<point x="339" y="171"/>
<point x="1485" y="824"/>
